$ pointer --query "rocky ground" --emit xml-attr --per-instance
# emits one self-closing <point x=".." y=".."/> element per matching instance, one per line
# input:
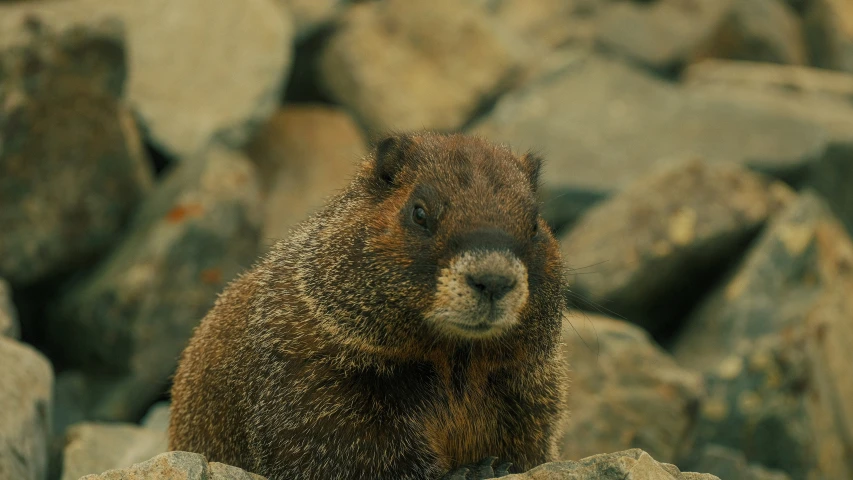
<point x="699" y="171"/>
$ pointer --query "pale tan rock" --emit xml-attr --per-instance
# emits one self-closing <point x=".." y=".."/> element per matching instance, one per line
<point x="94" y="447"/>
<point x="9" y="326"/>
<point x="176" y="466"/>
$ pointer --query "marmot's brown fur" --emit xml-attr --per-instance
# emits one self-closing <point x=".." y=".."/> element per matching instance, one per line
<point x="407" y="329"/>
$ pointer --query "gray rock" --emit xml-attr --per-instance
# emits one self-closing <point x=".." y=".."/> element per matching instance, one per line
<point x="759" y="30"/>
<point x="634" y="251"/>
<point x="601" y="124"/>
<point x="71" y="162"/>
<point x="177" y="466"/>
<point x="157" y="417"/>
<point x="94" y="448"/>
<point x="549" y="23"/>
<point x="828" y="27"/>
<point x="194" y="76"/>
<point x="9" y="326"/>
<point x="728" y="463"/>
<point x="126" y="323"/>
<point x="26" y="383"/>
<point x="308" y="16"/>
<point x="304" y="154"/>
<point x="634" y="464"/>
<point x="661" y="34"/>
<point x="627" y="392"/>
<point x="422" y="79"/>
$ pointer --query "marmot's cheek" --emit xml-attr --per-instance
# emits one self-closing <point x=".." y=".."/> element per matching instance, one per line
<point x="480" y="294"/>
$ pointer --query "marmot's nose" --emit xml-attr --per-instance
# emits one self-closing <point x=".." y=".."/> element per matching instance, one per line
<point x="491" y="285"/>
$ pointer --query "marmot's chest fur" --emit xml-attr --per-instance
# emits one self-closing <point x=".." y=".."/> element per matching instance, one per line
<point x="407" y="329"/>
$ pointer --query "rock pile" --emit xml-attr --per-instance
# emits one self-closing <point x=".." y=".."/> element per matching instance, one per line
<point x="699" y="157"/>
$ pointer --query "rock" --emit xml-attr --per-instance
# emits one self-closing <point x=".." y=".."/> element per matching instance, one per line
<point x="627" y="392"/>
<point x="636" y="251"/>
<point x="71" y="161"/>
<point x="634" y="464"/>
<point x="662" y="34"/>
<point x="26" y="383"/>
<point x="177" y="466"/>
<point x="127" y="322"/>
<point x="727" y="463"/>
<point x="194" y="76"/>
<point x="828" y="26"/>
<point x="94" y="448"/>
<point x="800" y="256"/>
<point x="308" y="16"/>
<point x="601" y="124"/>
<point x="444" y="85"/>
<point x="9" y="326"/>
<point x="157" y="417"/>
<point x="759" y="30"/>
<point x="774" y="341"/>
<point x="304" y="154"/>
<point x="551" y="23"/>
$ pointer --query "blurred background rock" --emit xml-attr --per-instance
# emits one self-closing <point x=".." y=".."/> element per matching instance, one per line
<point x="699" y="172"/>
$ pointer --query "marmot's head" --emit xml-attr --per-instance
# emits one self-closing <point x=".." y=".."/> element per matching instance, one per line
<point x="442" y="236"/>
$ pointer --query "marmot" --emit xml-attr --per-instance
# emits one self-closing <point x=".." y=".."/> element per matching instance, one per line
<point x="408" y="329"/>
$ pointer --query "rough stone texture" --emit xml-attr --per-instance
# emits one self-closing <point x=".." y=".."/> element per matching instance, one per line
<point x="304" y="155"/>
<point x="194" y="76"/>
<point x="177" y="466"/>
<point x="775" y="342"/>
<point x="26" y="383"/>
<point x="157" y="417"/>
<point x="310" y="15"/>
<point x="423" y="79"/>
<point x="627" y="392"/>
<point x="728" y="463"/>
<point x="94" y="448"/>
<point x="551" y="23"/>
<point x="133" y="315"/>
<point x="760" y="30"/>
<point x="828" y="26"/>
<point x="634" y="251"/>
<point x="601" y="124"/>
<point x="71" y="161"/>
<point x="662" y="34"/>
<point x="634" y="464"/>
<point x="9" y="326"/>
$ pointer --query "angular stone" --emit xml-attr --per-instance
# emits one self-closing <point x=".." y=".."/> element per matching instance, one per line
<point x="423" y="79"/>
<point x="304" y="154"/>
<point x="157" y="417"/>
<point x="71" y="162"/>
<point x="759" y="30"/>
<point x="308" y="16"/>
<point x="634" y="464"/>
<point x="9" y="326"/>
<point x="634" y="251"/>
<point x="601" y="124"/>
<point x="728" y="463"/>
<point x="662" y="33"/>
<point x="550" y="23"/>
<point x="26" y="383"/>
<point x="94" y="448"/>
<point x="177" y="466"/>
<point x="194" y="76"/>
<point x="829" y="32"/>
<point x="127" y="322"/>
<point x="627" y="392"/>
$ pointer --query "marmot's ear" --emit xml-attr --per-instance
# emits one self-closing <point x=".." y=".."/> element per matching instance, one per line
<point x="531" y="163"/>
<point x="390" y="156"/>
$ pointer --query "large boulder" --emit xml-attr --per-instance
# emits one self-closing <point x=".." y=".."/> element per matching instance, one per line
<point x="197" y="69"/>
<point x="634" y="464"/>
<point x="635" y="252"/>
<point x="72" y="165"/>
<point x="131" y="317"/>
<point x="176" y="466"/>
<point x="26" y="383"/>
<point x="95" y="447"/>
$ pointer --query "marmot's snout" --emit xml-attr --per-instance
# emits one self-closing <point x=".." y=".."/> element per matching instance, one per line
<point x="480" y="294"/>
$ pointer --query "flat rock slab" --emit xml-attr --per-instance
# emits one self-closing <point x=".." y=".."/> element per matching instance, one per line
<point x="176" y="466"/>
<point x="132" y="316"/>
<point x="626" y="392"/>
<point x="71" y="159"/>
<point x="206" y="69"/>
<point x="94" y="448"/>
<point x="634" y="464"/>
<point x="9" y="326"/>
<point x="601" y="124"/>
<point x="633" y="252"/>
<point x="26" y="401"/>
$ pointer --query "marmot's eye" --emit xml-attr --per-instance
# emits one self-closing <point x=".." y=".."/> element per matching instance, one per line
<point x="419" y="215"/>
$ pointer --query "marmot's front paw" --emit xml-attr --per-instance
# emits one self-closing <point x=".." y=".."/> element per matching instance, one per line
<point x="483" y="470"/>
